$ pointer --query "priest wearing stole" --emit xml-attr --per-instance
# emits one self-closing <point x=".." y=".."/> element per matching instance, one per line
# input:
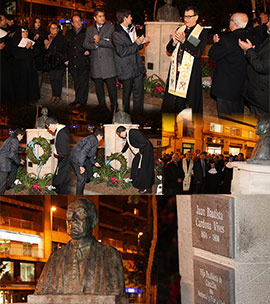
<point x="184" y="85"/>
<point x="187" y="167"/>
<point x="142" y="169"/>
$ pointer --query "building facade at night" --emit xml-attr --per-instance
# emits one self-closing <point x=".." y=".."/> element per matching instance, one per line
<point x="211" y="134"/>
<point x="31" y="227"/>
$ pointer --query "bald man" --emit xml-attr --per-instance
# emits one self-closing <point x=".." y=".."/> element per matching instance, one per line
<point x="231" y="66"/>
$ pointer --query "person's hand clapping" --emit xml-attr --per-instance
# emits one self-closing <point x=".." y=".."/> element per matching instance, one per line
<point x="82" y="170"/>
<point x="22" y="162"/>
<point x="245" y="45"/>
<point x="86" y="53"/>
<point x="178" y="37"/>
<point x="96" y="39"/>
<point x="140" y="40"/>
<point x="29" y="45"/>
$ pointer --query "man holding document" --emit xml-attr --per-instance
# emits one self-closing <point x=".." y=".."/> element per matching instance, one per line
<point x="184" y="85"/>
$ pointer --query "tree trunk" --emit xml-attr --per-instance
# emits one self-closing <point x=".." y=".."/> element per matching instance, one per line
<point x="152" y="251"/>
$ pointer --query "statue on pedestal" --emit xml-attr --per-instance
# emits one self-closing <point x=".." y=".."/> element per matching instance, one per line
<point x="261" y="152"/>
<point x="168" y="12"/>
<point x="84" y="266"/>
<point x="41" y="121"/>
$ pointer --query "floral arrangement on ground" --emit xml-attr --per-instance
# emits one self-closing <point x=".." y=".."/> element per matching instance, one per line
<point x="26" y="183"/>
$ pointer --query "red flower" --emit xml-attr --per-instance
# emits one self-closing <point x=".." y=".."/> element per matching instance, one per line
<point x="36" y="187"/>
<point x="113" y="179"/>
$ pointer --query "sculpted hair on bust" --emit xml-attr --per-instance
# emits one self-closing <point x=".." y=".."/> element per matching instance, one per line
<point x="90" y="209"/>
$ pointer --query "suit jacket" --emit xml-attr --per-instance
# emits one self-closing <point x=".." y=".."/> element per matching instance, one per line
<point x="198" y="171"/>
<point x="231" y="66"/>
<point x="76" y="56"/>
<point x="86" y="148"/>
<point x="256" y="88"/>
<point x="128" y="60"/>
<point x="9" y="153"/>
<point x="102" y="58"/>
<point x="101" y="274"/>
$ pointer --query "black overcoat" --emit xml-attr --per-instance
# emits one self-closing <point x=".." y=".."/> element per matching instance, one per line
<point x="144" y="177"/>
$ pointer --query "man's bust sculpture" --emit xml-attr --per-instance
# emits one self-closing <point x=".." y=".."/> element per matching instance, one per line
<point x="261" y="152"/>
<point x="168" y="12"/>
<point x="41" y="121"/>
<point x="83" y="266"/>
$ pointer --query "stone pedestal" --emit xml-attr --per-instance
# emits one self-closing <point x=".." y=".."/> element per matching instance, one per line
<point x="76" y="299"/>
<point x="250" y="178"/>
<point x="224" y="245"/>
<point x="51" y="164"/>
<point x="113" y="143"/>
<point x="156" y="59"/>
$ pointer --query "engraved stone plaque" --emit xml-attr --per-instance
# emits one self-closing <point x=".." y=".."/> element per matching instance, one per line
<point x="213" y="223"/>
<point x="213" y="283"/>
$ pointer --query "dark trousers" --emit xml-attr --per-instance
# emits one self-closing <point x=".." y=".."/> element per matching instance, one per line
<point x="89" y="169"/>
<point x="81" y="84"/>
<point x="12" y="175"/>
<point x="112" y="90"/>
<point x="81" y="178"/>
<point x="199" y="188"/>
<point x="56" y="77"/>
<point x="230" y="106"/>
<point x="3" y="182"/>
<point x="138" y="94"/>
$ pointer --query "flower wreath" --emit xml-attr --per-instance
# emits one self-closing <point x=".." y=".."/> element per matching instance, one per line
<point x="31" y="151"/>
<point x="122" y="160"/>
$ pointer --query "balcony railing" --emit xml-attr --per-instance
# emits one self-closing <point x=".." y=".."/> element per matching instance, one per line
<point x="19" y="223"/>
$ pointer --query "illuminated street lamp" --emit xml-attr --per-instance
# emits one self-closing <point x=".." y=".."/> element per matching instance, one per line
<point x="52" y="210"/>
<point x="139" y="235"/>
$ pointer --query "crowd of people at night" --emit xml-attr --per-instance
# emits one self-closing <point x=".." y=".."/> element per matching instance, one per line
<point x="198" y="174"/>
<point x="100" y="51"/>
<point x="108" y="53"/>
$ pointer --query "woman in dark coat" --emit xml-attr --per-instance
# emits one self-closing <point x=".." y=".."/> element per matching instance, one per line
<point x="212" y="179"/>
<point x="55" y="59"/>
<point x="36" y="34"/>
<point x="24" y="74"/>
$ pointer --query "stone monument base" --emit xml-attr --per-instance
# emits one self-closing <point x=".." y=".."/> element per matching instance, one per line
<point x="76" y="299"/>
<point x="250" y="178"/>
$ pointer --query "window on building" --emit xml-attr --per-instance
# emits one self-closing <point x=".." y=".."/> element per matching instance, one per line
<point x="250" y="134"/>
<point x="186" y="147"/>
<point x="6" y="271"/>
<point x="214" y="150"/>
<point x="236" y="132"/>
<point x="234" y="151"/>
<point x="27" y="271"/>
<point x="27" y="249"/>
<point x="214" y="127"/>
<point x="4" y="246"/>
<point x="188" y="129"/>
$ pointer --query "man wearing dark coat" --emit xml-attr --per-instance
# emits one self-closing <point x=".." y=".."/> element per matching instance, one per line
<point x="102" y="58"/>
<point x="85" y="150"/>
<point x="142" y="169"/>
<point x="256" y="87"/>
<point x="129" y="65"/>
<point x="173" y="176"/>
<point x="78" y="61"/>
<point x="84" y="266"/>
<point x="184" y="85"/>
<point x="9" y="154"/>
<point x="61" y="179"/>
<point x="200" y="171"/>
<point x="231" y="66"/>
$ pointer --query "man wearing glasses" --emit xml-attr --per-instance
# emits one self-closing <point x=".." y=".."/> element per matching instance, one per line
<point x="184" y="86"/>
<point x="231" y="66"/>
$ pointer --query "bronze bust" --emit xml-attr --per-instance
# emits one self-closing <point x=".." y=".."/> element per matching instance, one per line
<point x="83" y="266"/>
<point x="261" y="152"/>
<point x="168" y="12"/>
